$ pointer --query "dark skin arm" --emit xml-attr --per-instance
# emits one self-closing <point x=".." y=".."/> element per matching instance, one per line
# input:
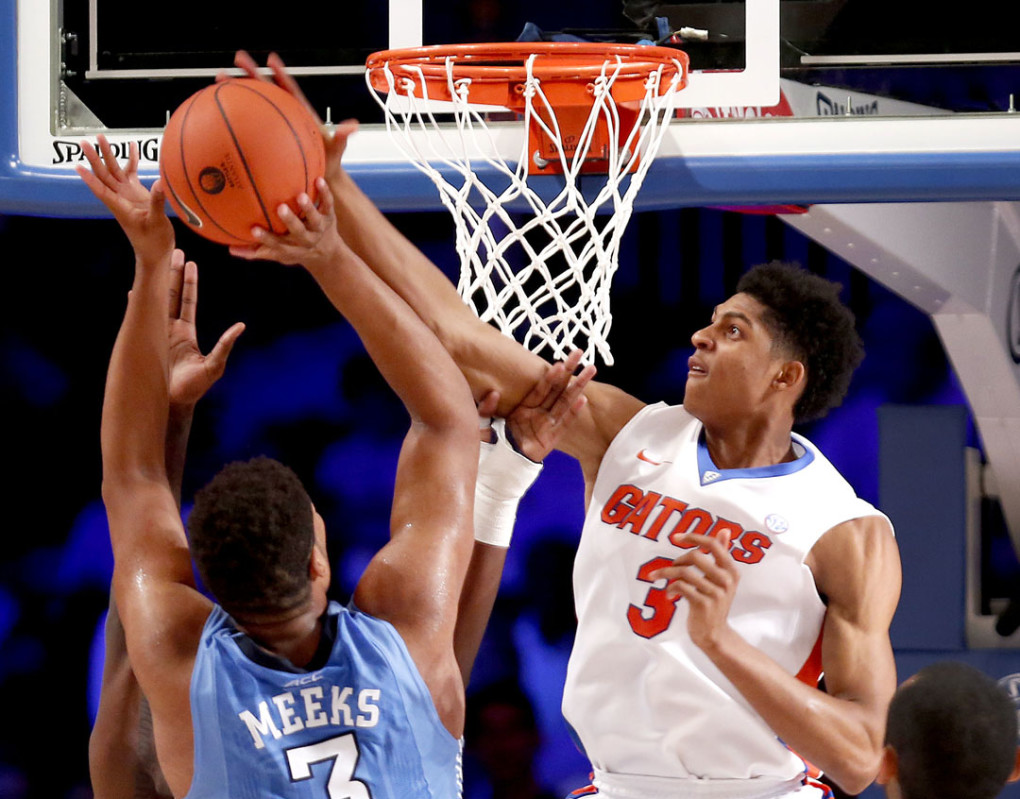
<point x="856" y="566"/>
<point x="122" y="757"/>
<point x="543" y="417"/>
<point x="414" y="582"/>
<point x="161" y="610"/>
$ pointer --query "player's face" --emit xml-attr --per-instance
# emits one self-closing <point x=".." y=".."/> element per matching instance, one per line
<point x="733" y="363"/>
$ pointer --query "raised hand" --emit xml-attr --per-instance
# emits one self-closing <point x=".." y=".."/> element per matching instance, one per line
<point x="540" y="419"/>
<point x="139" y="211"/>
<point x="335" y="140"/>
<point x="192" y="374"/>
<point x="311" y="240"/>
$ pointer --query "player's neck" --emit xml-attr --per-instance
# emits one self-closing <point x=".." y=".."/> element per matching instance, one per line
<point x="748" y="446"/>
<point x="294" y="637"/>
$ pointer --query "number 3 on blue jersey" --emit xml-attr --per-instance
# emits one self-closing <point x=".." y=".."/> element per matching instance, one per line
<point x="343" y="751"/>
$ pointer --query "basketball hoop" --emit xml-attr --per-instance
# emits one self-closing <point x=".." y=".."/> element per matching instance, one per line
<point x="589" y="109"/>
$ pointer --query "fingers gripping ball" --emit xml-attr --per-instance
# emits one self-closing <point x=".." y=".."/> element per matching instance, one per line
<point x="233" y="152"/>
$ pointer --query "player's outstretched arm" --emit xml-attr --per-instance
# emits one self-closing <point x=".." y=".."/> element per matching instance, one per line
<point x="488" y="359"/>
<point x="122" y="759"/>
<point x="137" y="397"/>
<point x="192" y="372"/>
<point x="162" y="613"/>
<point x="414" y="582"/>
<point x="505" y="472"/>
<point x="136" y="401"/>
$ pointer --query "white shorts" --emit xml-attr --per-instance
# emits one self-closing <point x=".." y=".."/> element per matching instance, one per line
<point x="631" y="786"/>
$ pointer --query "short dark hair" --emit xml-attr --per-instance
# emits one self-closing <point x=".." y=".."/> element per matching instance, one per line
<point x="252" y="535"/>
<point x="954" y="731"/>
<point x="805" y="315"/>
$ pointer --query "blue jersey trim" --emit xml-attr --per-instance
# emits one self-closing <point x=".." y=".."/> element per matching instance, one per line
<point x="708" y="472"/>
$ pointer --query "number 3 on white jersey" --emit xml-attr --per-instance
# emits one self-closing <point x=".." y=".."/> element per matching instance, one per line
<point x="343" y="751"/>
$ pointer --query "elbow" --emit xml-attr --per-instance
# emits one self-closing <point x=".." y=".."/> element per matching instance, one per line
<point x="855" y="774"/>
<point x="455" y="332"/>
<point x="110" y="490"/>
<point x="854" y="785"/>
<point x="115" y="486"/>
<point x="122" y="484"/>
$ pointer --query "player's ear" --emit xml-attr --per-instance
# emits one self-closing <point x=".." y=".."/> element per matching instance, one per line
<point x="1015" y="773"/>
<point x="889" y="766"/>
<point x="791" y="375"/>
<point x="318" y="567"/>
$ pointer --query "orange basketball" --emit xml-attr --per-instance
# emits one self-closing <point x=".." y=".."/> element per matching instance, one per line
<point x="233" y="152"/>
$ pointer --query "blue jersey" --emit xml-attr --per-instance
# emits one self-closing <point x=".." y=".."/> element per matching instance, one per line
<point x="363" y="726"/>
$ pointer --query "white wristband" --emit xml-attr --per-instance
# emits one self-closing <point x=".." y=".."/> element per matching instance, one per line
<point x="504" y="475"/>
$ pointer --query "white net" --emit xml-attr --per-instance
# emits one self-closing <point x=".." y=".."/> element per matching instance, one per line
<point x="537" y="264"/>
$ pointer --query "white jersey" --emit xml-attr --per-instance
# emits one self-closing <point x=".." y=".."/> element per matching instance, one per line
<point x="641" y="696"/>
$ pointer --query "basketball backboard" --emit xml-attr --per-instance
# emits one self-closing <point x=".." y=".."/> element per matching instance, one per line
<point x="790" y="101"/>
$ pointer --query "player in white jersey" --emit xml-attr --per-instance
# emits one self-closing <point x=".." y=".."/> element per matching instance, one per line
<point x="779" y="351"/>
<point x="656" y="488"/>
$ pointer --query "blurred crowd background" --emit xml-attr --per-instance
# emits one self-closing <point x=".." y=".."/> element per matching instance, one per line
<point x="299" y="388"/>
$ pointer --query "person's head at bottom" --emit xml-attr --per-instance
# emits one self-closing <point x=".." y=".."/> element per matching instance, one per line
<point x="951" y="734"/>
<point x="258" y="543"/>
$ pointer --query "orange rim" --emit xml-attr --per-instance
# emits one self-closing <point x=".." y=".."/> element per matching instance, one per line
<point x="495" y="69"/>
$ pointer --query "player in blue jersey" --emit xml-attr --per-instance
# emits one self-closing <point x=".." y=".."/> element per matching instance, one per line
<point x="275" y="691"/>
<point x="123" y="763"/>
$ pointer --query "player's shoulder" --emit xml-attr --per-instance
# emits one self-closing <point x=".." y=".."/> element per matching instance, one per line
<point x="659" y="419"/>
<point x="634" y="411"/>
<point x="164" y="625"/>
<point x="607" y="410"/>
<point x="829" y="479"/>
<point x="853" y="550"/>
<point x="612" y="406"/>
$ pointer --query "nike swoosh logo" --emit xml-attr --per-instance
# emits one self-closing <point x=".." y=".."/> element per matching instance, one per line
<point x="642" y="457"/>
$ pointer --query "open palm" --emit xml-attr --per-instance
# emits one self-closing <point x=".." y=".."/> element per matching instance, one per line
<point x="139" y="211"/>
<point x="192" y="374"/>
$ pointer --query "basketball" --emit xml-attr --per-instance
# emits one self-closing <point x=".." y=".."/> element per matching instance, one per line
<point x="233" y="152"/>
